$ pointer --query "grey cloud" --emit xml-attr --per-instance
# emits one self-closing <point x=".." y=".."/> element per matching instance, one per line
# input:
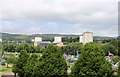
<point x="82" y="14"/>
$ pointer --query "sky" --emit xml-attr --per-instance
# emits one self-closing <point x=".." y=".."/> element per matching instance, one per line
<point x="59" y="17"/>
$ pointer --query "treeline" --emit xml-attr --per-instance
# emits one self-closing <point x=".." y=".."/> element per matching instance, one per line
<point x="14" y="47"/>
<point x="51" y="63"/>
<point x="68" y="40"/>
<point x="91" y="63"/>
<point x="71" y="48"/>
<point x="113" y="46"/>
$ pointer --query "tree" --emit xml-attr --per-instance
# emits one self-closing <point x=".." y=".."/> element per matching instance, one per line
<point x="114" y="42"/>
<point x="119" y="47"/>
<point x="5" y="46"/>
<point x="116" y="59"/>
<point x="42" y="49"/>
<point x="9" y="60"/>
<point x="92" y="63"/>
<point x="28" y="41"/>
<point x="118" y="74"/>
<point x="20" y="63"/>
<point x="23" y="46"/>
<point x="12" y="47"/>
<point x="70" y="39"/>
<point x="30" y="65"/>
<point x="50" y="64"/>
<point x="15" y="67"/>
<point x="109" y="48"/>
<point x="38" y="48"/>
<point x="72" y="48"/>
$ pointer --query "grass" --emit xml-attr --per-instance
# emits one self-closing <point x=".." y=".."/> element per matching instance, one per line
<point x="1" y="75"/>
<point x="13" y="53"/>
<point x="5" y="69"/>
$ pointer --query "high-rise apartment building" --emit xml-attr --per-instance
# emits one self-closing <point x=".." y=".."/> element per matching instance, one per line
<point x="86" y="37"/>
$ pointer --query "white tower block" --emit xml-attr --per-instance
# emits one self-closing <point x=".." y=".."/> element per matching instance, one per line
<point x="81" y="39"/>
<point x="37" y="39"/>
<point x="88" y="37"/>
<point x="57" y="39"/>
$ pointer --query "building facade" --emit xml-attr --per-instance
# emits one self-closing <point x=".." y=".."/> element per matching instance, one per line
<point x="37" y="39"/>
<point x="86" y="37"/>
<point x="57" y="39"/>
<point x="81" y="39"/>
<point x="43" y="43"/>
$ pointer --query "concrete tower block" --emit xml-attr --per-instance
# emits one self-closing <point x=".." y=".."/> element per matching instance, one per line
<point x="81" y="39"/>
<point x="57" y="39"/>
<point x="37" y="39"/>
<point x="88" y="37"/>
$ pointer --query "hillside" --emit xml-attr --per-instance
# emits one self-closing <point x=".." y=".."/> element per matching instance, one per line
<point x="16" y="37"/>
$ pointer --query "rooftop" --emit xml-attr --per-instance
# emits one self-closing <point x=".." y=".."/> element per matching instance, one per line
<point x="44" y="42"/>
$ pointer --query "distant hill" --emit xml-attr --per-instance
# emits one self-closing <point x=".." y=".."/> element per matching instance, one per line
<point x="17" y="37"/>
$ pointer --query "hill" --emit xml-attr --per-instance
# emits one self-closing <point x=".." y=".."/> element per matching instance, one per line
<point x="17" y="37"/>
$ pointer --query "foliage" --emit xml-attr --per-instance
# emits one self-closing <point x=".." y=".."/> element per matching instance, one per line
<point x="72" y="48"/>
<point x="28" y="41"/>
<point x="109" y="48"/>
<point x="23" y="46"/>
<point x="42" y="49"/>
<point x="10" y="60"/>
<point x="116" y="59"/>
<point x="5" y="57"/>
<point x="92" y="63"/>
<point x="51" y="63"/>
<point x="27" y="47"/>
<point x="30" y="65"/>
<point x="70" y="39"/>
<point x="118" y="74"/>
<point x="20" y="63"/>
<point x="119" y="47"/>
<point x="15" y="67"/>
<point x="38" y="48"/>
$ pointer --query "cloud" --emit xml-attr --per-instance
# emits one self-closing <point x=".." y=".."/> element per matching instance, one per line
<point x="60" y="16"/>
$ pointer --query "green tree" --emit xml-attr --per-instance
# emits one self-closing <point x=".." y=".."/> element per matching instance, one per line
<point x="50" y="64"/>
<point x="116" y="59"/>
<point x="24" y="46"/>
<point x="38" y="48"/>
<point x="119" y="47"/>
<point x="15" y="68"/>
<point x="5" y="47"/>
<point x="72" y="48"/>
<point x="109" y="48"/>
<point x="30" y="65"/>
<point x="20" y="63"/>
<point x="92" y="63"/>
<point x="118" y="74"/>
<point x="28" y="41"/>
<point x="10" y="60"/>
<point x="114" y="42"/>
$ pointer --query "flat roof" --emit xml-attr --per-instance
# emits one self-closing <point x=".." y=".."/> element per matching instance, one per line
<point x="44" y="42"/>
<point x="87" y="32"/>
